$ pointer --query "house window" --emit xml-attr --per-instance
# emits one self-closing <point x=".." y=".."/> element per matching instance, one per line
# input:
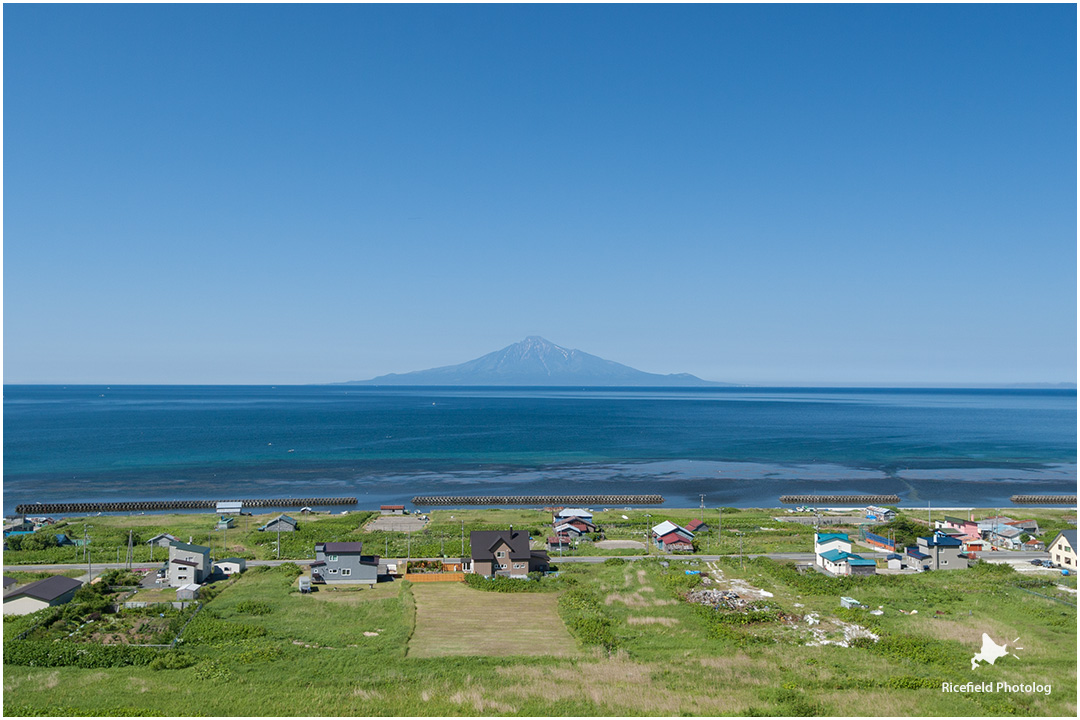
<point x="346" y="571"/>
<point x="500" y="554"/>
<point x="502" y="566"/>
<point x="518" y="566"/>
<point x="332" y="571"/>
<point x="331" y="558"/>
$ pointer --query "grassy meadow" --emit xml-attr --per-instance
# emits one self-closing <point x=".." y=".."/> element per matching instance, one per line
<point x="615" y="638"/>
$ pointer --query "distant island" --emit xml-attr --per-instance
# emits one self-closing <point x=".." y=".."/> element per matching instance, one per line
<point x="536" y="361"/>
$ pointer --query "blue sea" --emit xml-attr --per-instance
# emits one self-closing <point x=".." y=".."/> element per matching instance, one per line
<point x="740" y="447"/>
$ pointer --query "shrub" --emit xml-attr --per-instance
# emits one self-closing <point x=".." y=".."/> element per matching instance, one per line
<point x="209" y="630"/>
<point x="213" y="670"/>
<point x="172" y="660"/>
<point x="586" y="618"/>
<point x="254" y="607"/>
<point x="40" y="653"/>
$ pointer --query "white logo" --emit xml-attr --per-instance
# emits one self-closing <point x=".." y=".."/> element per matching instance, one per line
<point x="991" y="651"/>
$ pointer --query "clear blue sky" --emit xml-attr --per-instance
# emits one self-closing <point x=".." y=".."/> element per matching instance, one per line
<point x="753" y="194"/>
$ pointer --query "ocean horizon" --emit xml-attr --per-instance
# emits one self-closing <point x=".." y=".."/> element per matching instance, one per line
<point x="739" y="446"/>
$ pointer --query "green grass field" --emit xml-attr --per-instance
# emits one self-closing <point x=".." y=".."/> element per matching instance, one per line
<point x="261" y="648"/>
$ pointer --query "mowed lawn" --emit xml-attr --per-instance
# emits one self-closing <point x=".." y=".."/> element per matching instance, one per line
<point x="454" y="619"/>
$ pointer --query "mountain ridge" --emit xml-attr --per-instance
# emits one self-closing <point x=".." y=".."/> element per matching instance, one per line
<point x="536" y="361"/>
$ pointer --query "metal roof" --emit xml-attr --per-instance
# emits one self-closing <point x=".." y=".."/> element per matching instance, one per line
<point x="48" y="589"/>
<point x="822" y="538"/>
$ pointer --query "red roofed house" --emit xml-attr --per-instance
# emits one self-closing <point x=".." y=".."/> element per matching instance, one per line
<point x="696" y="526"/>
<point x="674" y="542"/>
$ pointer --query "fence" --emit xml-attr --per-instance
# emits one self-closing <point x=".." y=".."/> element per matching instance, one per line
<point x="435" y="577"/>
<point x="877" y="540"/>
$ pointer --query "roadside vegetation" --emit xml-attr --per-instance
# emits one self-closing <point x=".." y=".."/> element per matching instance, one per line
<point x="652" y="636"/>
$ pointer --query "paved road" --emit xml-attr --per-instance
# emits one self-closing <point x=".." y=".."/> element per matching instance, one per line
<point x="789" y="557"/>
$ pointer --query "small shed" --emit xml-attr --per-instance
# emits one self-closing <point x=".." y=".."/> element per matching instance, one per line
<point x="187" y="592"/>
<point x="231" y="566"/>
<point x="162" y="540"/>
<point x="391" y="509"/>
<point x="9" y="583"/>
<point x="282" y="523"/>
<point x="896" y="562"/>
<point x="849" y="602"/>
<point x="224" y="523"/>
<point x="229" y="507"/>
<point x="304" y="583"/>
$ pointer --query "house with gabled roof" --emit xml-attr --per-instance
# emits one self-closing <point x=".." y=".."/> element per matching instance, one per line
<point x="162" y="540"/>
<point x="344" y="563"/>
<point x="697" y="526"/>
<point x="940" y="552"/>
<point x="670" y="537"/>
<point x="832" y="553"/>
<point x="505" y="553"/>
<point x="1063" y="549"/>
<point x="55" y="590"/>
<point x="282" y="523"/>
<point x="573" y="512"/>
<point x="1006" y="536"/>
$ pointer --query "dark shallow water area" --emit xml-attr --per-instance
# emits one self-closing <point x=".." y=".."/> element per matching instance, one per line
<point x="739" y="446"/>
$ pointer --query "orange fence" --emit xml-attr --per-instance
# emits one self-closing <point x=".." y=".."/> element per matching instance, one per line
<point x="435" y="577"/>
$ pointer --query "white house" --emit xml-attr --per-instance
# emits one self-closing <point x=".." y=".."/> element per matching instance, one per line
<point x="231" y="566"/>
<point x="1063" y="549"/>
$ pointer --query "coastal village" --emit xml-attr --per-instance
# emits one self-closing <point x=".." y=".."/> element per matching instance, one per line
<point x="144" y="587"/>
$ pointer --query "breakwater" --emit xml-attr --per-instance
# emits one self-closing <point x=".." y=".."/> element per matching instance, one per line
<point x="155" y="505"/>
<point x="1043" y="499"/>
<point x="839" y="499"/>
<point x="538" y="500"/>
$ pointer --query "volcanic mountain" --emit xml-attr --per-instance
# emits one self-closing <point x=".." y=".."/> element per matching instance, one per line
<point x="536" y="361"/>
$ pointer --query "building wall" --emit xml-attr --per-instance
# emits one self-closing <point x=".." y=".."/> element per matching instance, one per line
<point x="24" y="606"/>
<point x="1062" y="554"/>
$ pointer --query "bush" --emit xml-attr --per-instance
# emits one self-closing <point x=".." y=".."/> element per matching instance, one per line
<point x="254" y="607"/>
<point x="172" y="660"/>
<point x="510" y="585"/>
<point x="209" y="630"/>
<point x="41" y="653"/>
<point x="213" y="670"/>
<point x="586" y="618"/>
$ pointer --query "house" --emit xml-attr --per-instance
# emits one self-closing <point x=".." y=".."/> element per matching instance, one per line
<point x="391" y="509"/>
<point x="915" y="559"/>
<point x="10" y="583"/>
<point x="1005" y="536"/>
<point x="697" y="526"/>
<point x="224" y="523"/>
<point x="942" y="552"/>
<point x="674" y="542"/>
<point x="282" y="523"/>
<point x="824" y="542"/>
<point x="559" y="543"/>
<point x="1063" y="549"/>
<point x="572" y="513"/>
<point x="231" y="507"/>
<point x="344" y="563"/>
<point x="894" y="561"/>
<point x="880" y="514"/>
<point x="1033" y="545"/>
<point x="162" y="540"/>
<point x="230" y="566"/>
<point x="504" y="553"/>
<point x="19" y="524"/>
<point x="966" y="527"/>
<point x="838" y="562"/>
<point x="1031" y="527"/>
<point x="55" y="590"/>
<point x="574" y="526"/>
<point x="988" y="524"/>
<point x="188" y="564"/>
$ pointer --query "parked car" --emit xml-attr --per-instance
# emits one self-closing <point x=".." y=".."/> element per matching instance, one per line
<point x="1037" y="561"/>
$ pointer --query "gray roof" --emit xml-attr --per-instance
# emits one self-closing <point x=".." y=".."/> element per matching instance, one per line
<point x="48" y="589"/>
<point x="483" y="543"/>
<point x="9" y="581"/>
<point x="1070" y="537"/>
<point x="191" y="548"/>
<point x="341" y="547"/>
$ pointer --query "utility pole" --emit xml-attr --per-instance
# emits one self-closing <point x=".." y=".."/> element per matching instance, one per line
<point x="462" y="541"/>
<point x="703" y="509"/>
<point x="719" y="526"/>
<point x="279" y="541"/>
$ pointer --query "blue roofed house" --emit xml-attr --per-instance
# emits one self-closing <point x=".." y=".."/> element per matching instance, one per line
<point x="833" y="555"/>
<point x="937" y="552"/>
